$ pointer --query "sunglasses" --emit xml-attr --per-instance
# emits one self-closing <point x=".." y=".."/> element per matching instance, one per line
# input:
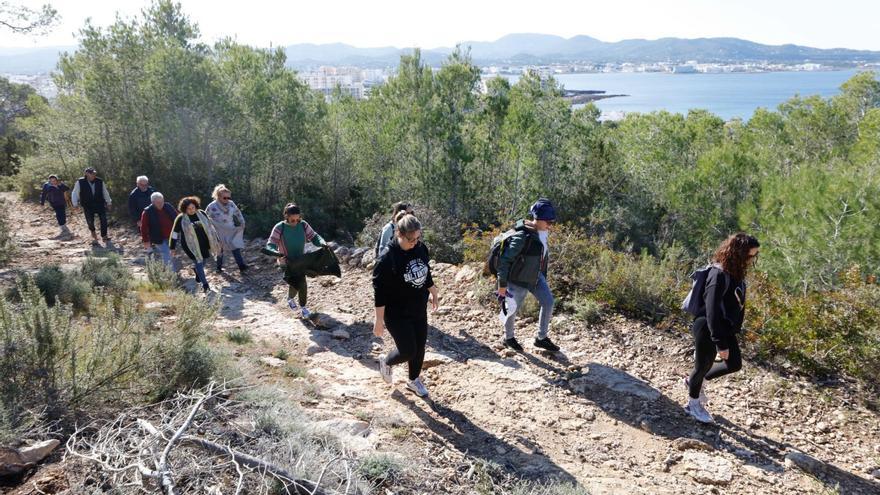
<point x="227" y="198"/>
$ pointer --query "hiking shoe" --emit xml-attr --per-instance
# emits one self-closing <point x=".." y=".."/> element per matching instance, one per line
<point x="695" y="409"/>
<point x="513" y="344"/>
<point x="292" y="305"/>
<point x="417" y="387"/>
<point x="547" y="344"/>
<point x="306" y="313"/>
<point x="384" y="369"/>
<point x="704" y="399"/>
<point x="206" y="288"/>
<point x="242" y="268"/>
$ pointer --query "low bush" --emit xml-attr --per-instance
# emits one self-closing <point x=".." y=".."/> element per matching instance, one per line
<point x="380" y="468"/>
<point x="441" y="233"/>
<point x="160" y="276"/>
<point x="58" y="285"/>
<point x="7" y="245"/>
<point x="821" y="332"/>
<point x="108" y="272"/>
<point x="239" y="336"/>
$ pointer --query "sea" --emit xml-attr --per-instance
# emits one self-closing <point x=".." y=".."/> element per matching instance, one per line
<point x="728" y="95"/>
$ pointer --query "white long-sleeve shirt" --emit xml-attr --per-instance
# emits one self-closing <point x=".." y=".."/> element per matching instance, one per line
<point x="74" y="195"/>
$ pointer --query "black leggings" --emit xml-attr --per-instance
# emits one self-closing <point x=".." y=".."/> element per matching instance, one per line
<point x="705" y="366"/>
<point x="410" y="337"/>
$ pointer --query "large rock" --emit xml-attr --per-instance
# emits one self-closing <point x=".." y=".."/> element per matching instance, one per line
<point x="613" y="379"/>
<point x="368" y="257"/>
<point x="433" y="359"/>
<point x="466" y="274"/>
<point x="707" y="468"/>
<point x="14" y="461"/>
<point x="806" y="463"/>
<point x="340" y="426"/>
<point x="272" y="361"/>
<point x="341" y="334"/>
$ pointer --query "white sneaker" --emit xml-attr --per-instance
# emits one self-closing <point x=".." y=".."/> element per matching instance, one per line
<point x="695" y="409"/>
<point x="704" y="399"/>
<point x="292" y="305"/>
<point x="384" y="369"/>
<point x="306" y="313"/>
<point x="417" y="387"/>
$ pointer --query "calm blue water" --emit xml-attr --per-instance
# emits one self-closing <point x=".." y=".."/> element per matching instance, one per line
<point x="726" y="95"/>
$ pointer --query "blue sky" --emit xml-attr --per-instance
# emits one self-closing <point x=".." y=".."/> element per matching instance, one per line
<point x="429" y="24"/>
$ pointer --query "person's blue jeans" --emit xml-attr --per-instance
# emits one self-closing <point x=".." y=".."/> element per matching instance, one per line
<point x="164" y="251"/>
<point x="200" y="273"/>
<point x="60" y="215"/>
<point x="545" y="299"/>
<point x="236" y="253"/>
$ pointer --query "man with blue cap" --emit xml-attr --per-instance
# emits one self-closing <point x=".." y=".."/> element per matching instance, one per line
<point x="522" y="268"/>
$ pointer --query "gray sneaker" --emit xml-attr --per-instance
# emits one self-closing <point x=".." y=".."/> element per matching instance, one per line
<point x="384" y="369"/>
<point x="695" y="409"/>
<point x="306" y="313"/>
<point x="417" y="387"/>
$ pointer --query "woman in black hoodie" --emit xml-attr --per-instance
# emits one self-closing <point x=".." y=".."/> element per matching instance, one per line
<point x="402" y="284"/>
<point x="720" y="319"/>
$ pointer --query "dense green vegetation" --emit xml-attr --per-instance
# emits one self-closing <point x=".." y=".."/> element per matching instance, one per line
<point x="145" y="97"/>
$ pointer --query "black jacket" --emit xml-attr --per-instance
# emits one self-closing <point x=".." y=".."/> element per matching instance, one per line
<point x="137" y="201"/>
<point x="725" y="306"/>
<point x="401" y="280"/>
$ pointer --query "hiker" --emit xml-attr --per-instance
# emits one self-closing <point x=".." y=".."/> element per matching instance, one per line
<point x="229" y="223"/>
<point x="387" y="234"/>
<point x="55" y="192"/>
<point x="288" y="240"/>
<point x="139" y="199"/>
<point x="195" y="233"/>
<point x="91" y="193"/>
<point x="719" y="319"/>
<point x="402" y="283"/>
<point x="522" y="268"/>
<point x="156" y="224"/>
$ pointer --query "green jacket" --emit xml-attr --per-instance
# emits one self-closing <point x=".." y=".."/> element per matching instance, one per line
<point x="519" y="265"/>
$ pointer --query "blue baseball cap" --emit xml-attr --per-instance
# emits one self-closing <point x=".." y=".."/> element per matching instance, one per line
<point x="543" y="210"/>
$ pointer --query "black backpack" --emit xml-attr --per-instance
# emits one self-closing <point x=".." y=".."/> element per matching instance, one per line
<point x="499" y="243"/>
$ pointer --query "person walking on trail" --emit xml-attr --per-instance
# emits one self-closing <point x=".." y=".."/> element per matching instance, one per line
<point x="139" y="199"/>
<point x="402" y="285"/>
<point x="229" y="223"/>
<point x="720" y="319"/>
<point x="387" y="234"/>
<point x="522" y="268"/>
<point x="195" y="233"/>
<point x="156" y="224"/>
<point x="91" y="193"/>
<point x="289" y="239"/>
<point x="55" y="192"/>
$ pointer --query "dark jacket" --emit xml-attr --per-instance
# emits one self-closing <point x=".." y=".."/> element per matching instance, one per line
<point x="725" y="306"/>
<point x="523" y="259"/>
<point x="401" y="280"/>
<point x="315" y="264"/>
<point x="137" y="201"/>
<point x="54" y="194"/>
<point x="202" y="236"/>
<point x="89" y="201"/>
<point x="155" y="225"/>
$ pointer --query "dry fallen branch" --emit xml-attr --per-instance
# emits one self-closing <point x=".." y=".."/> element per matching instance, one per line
<point x="151" y="449"/>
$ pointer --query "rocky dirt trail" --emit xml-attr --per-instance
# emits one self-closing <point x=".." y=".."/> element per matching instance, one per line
<point x="605" y="412"/>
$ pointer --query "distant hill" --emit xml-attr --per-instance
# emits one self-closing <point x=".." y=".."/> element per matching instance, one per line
<point x="518" y="49"/>
<point x="542" y="48"/>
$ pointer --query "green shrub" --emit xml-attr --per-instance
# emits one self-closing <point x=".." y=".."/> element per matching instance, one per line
<point x="160" y="276"/>
<point x="180" y="357"/>
<point x="587" y="309"/>
<point x="441" y="233"/>
<point x="62" y="286"/>
<point x="109" y="273"/>
<point x="379" y="468"/>
<point x="7" y="246"/>
<point x="821" y="332"/>
<point x="54" y="363"/>
<point x="239" y="336"/>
